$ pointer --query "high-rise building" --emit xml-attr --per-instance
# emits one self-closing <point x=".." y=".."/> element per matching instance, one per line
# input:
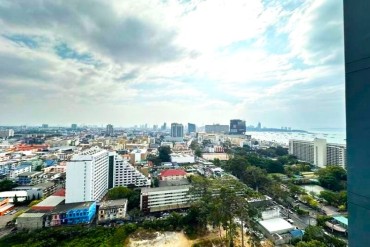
<point x="259" y="126"/>
<point x="164" y="126"/>
<point x="74" y="126"/>
<point x="192" y="128"/>
<point x="6" y="133"/>
<point x="217" y="128"/>
<point x="177" y="130"/>
<point x="45" y="126"/>
<point x="87" y="176"/>
<point x="122" y="173"/>
<point x="318" y="152"/>
<point x="357" y="65"/>
<point x="237" y="126"/>
<point x="109" y="130"/>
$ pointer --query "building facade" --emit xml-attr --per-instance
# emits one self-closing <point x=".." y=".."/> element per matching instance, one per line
<point x="109" y="130"/>
<point x="87" y="176"/>
<point x="164" y="198"/>
<point x="112" y="210"/>
<point x="191" y="128"/>
<point x="217" y="128"/>
<point x="357" y="65"/>
<point x="177" y="130"/>
<point x="124" y="174"/>
<point x="237" y="126"/>
<point x="319" y="152"/>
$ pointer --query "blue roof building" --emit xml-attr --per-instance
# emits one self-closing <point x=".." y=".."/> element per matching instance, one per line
<point x="50" y="163"/>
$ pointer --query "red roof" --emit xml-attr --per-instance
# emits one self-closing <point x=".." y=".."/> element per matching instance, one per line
<point x="60" y="192"/>
<point x="172" y="172"/>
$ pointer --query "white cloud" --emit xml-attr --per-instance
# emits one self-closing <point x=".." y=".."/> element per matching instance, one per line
<point x="154" y="61"/>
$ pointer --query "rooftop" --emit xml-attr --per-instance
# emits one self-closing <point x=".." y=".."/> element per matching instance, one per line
<point x="49" y="202"/>
<point x="341" y="219"/>
<point x="64" y="207"/>
<point x="113" y="203"/>
<point x="24" y="174"/>
<point x="167" y="188"/>
<point x="276" y="225"/>
<point x="31" y="215"/>
<point x="173" y="172"/>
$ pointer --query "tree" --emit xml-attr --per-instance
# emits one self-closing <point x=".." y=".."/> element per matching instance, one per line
<point x="155" y="182"/>
<point x="15" y="200"/>
<point x="164" y="154"/>
<point x="333" y="177"/>
<point x="198" y="152"/>
<point x="6" y="185"/>
<point x="312" y="243"/>
<point x="194" y="145"/>
<point x="120" y="192"/>
<point x="154" y="159"/>
<point x="38" y="168"/>
<point x="255" y="177"/>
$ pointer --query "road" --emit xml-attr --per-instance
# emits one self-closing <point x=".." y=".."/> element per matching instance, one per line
<point x="299" y="221"/>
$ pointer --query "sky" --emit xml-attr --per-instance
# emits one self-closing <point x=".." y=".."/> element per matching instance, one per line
<point x="277" y="62"/>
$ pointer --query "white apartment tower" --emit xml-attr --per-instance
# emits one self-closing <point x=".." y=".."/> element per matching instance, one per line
<point x="318" y="152"/>
<point x="125" y="174"/>
<point x="87" y="176"/>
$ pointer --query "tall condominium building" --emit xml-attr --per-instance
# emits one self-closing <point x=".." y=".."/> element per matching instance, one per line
<point x="73" y="126"/>
<point x="318" y="152"/>
<point x="237" y="126"/>
<point x="87" y="176"/>
<point x="177" y="130"/>
<point x="109" y="130"/>
<point x="164" y="126"/>
<point x="192" y="128"/>
<point x="217" y="128"/>
<point x="6" y="133"/>
<point x="122" y="173"/>
<point x="357" y="65"/>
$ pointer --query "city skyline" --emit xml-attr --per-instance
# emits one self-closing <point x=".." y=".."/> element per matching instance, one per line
<point x="208" y="62"/>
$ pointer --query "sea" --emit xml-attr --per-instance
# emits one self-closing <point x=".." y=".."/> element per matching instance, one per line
<point x="332" y="135"/>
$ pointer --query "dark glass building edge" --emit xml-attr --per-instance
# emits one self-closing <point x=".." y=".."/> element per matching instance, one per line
<point x="357" y="65"/>
<point x="110" y="171"/>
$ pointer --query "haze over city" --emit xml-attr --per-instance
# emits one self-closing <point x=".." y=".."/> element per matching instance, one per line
<point x="132" y="62"/>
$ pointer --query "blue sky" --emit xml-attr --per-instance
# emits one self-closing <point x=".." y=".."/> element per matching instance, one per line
<point x="206" y="61"/>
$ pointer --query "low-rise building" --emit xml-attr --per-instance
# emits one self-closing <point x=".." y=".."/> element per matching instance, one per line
<point x="172" y="174"/>
<point x="29" y="178"/>
<point x="53" y="211"/>
<point x="112" y="210"/>
<point x="164" y="198"/>
<point x="5" y="206"/>
<point x="181" y="158"/>
<point x="277" y="230"/>
<point x="71" y="214"/>
<point x="20" y="195"/>
<point x="13" y="173"/>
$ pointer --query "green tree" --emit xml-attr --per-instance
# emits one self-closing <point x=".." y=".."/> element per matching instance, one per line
<point x="155" y="182"/>
<point x="6" y="185"/>
<point x="332" y="177"/>
<point x="38" y="168"/>
<point x="164" y="154"/>
<point x="255" y="177"/>
<point x="15" y="200"/>
<point x="120" y="192"/>
<point x="194" y="145"/>
<point x="198" y="152"/>
<point x="312" y="243"/>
